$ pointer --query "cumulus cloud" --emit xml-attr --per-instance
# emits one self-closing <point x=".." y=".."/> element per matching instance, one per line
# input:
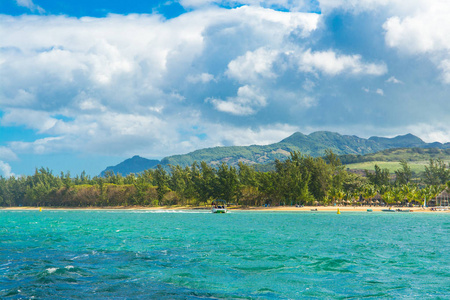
<point x="416" y="27"/>
<point x="253" y="65"/>
<point x="330" y="63"/>
<point x="5" y="169"/>
<point x="38" y="120"/>
<point x="262" y="135"/>
<point x="122" y="85"/>
<point x="358" y="6"/>
<point x="380" y="92"/>
<point x="423" y="32"/>
<point x="247" y="102"/>
<point x="125" y="79"/>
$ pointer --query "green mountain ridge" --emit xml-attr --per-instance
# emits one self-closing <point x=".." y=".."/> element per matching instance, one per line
<point x="136" y="164"/>
<point x="314" y="144"/>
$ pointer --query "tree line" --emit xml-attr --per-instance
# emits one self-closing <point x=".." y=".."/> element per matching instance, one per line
<point x="298" y="180"/>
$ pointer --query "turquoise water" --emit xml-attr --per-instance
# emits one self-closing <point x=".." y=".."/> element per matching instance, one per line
<point x="241" y="255"/>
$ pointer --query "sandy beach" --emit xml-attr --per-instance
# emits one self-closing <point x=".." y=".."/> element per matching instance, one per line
<point x="342" y="209"/>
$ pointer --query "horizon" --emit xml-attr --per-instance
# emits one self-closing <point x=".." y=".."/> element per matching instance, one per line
<point x="88" y="84"/>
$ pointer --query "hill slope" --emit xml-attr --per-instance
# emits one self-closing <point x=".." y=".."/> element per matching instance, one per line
<point x="314" y="144"/>
<point x="135" y="165"/>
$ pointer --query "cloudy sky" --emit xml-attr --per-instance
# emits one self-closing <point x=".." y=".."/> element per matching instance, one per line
<point x="85" y="84"/>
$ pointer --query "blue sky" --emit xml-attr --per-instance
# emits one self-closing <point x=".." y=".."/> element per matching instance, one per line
<point x="87" y="84"/>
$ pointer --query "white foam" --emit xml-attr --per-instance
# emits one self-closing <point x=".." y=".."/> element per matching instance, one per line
<point x="51" y="270"/>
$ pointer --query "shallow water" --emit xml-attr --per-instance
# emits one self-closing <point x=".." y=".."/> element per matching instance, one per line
<point x="240" y="255"/>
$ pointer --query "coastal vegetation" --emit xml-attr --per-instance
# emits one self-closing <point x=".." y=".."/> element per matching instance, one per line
<point x="298" y="180"/>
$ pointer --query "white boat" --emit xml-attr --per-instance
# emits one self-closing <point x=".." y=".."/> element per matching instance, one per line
<point x="219" y="207"/>
<point x="441" y="208"/>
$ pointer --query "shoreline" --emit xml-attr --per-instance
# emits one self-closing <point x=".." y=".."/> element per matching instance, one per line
<point x="236" y="208"/>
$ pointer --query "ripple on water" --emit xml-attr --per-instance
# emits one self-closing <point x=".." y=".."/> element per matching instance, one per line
<point x="182" y="255"/>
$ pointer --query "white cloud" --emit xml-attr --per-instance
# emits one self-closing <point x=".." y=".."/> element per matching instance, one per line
<point x="263" y="135"/>
<point x="430" y="132"/>
<point x="417" y="27"/>
<point x="5" y="170"/>
<point x="40" y="146"/>
<point x="392" y="79"/>
<point x="377" y="91"/>
<point x="30" y="5"/>
<point x="118" y="81"/>
<point x="7" y="154"/>
<point x="358" y="6"/>
<point x="38" y="120"/>
<point x="445" y="67"/>
<point x="200" y="78"/>
<point x="253" y="65"/>
<point x="423" y="32"/>
<point x="298" y="5"/>
<point x="308" y="101"/>
<point x="332" y="64"/>
<point x="96" y="56"/>
<point x="247" y="102"/>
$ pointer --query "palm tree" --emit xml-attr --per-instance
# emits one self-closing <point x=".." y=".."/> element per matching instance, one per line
<point x="340" y="195"/>
<point x="369" y="192"/>
<point x="389" y="198"/>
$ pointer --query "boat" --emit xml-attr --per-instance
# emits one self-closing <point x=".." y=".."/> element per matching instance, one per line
<point x="314" y="209"/>
<point x="369" y="210"/>
<point x="388" y="210"/>
<point x="441" y="208"/>
<point x="219" y="206"/>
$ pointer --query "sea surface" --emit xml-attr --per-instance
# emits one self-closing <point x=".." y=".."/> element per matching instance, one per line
<point x="117" y="254"/>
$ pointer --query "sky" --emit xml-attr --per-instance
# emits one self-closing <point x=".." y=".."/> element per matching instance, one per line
<point x="87" y="84"/>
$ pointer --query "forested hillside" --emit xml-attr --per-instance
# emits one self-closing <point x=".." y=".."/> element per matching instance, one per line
<point x="314" y="144"/>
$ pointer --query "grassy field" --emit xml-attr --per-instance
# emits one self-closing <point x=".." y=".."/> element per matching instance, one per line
<point x="416" y="166"/>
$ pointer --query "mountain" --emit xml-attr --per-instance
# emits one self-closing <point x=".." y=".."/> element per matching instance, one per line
<point x="135" y="165"/>
<point x="314" y="144"/>
<point x="401" y="141"/>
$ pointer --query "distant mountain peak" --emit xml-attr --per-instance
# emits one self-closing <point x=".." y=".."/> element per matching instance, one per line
<point x="314" y="144"/>
<point x="400" y="141"/>
<point x="136" y="164"/>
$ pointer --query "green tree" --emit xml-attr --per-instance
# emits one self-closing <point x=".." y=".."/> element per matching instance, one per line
<point x="436" y="173"/>
<point x="379" y="177"/>
<point x="161" y="181"/>
<point x="404" y="174"/>
<point x="227" y="183"/>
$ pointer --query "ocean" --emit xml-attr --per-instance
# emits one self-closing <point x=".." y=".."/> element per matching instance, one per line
<point x="136" y="254"/>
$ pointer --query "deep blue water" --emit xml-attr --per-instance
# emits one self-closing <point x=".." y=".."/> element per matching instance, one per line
<point x="57" y="254"/>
